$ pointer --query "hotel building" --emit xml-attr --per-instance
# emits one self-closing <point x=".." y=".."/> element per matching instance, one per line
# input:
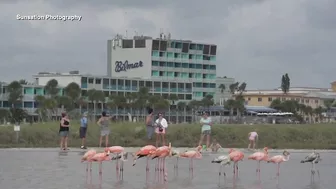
<point x="164" y="65"/>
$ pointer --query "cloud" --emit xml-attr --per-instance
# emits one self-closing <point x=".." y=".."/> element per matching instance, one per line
<point x="258" y="40"/>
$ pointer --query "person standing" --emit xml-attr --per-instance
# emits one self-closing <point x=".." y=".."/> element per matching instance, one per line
<point x="83" y="130"/>
<point x="253" y="137"/>
<point x="206" y="124"/>
<point x="161" y="125"/>
<point x="64" y="131"/>
<point x="150" y="124"/>
<point x="104" y="123"/>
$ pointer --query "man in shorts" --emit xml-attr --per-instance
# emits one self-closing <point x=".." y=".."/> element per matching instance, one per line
<point x="83" y="129"/>
<point x="206" y="124"/>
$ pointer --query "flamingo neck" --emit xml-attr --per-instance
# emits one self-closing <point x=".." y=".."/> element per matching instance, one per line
<point x="286" y="158"/>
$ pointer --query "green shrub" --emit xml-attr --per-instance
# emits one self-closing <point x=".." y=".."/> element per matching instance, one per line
<point x="183" y="135"/>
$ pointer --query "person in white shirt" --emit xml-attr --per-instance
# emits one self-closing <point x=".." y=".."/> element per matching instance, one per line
<point x="161" y="125"/>
<point x="253" y="137"/>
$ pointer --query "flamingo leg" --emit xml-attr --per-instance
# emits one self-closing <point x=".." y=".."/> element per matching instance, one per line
<point x="117" y="169"/>
<point x="192" y="167"/>
<point x="122" y="170"/>
<point x="100" y="168"/>
<point x="236" y="167"/>
<point x="87" y="167"/>
<point x="177" y="162"/>
<point x="91" y="167"/>
<point x="165" y="176"/>
<point x="147" y="170"/>
<point x="219" y="173"/>
<point x="278" y="169"/>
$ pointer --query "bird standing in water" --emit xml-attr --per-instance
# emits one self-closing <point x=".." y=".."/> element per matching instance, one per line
<point x="161" y="153"/>
<point x="279" y="159"/>
<point x="236" y="156"/>
<point x="259" y="156"/>
<point x="192" y="154"/>
<point x="100" y="157"/>
<point x="118" y="150"/>
<point x="314" y="158"/>
<point x="222" y="160"/>
<point x="144" y="152"/>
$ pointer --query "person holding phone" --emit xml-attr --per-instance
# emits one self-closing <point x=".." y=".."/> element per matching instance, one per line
<point x="64" y="131"/>
<point x="206" y="124"/>
<point x="161" y="125"/>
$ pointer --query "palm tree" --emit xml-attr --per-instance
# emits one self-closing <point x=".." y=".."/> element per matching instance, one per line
<point x="142" y="98"/>
<point x="181" y="108"/>
<point x="318" y="113"/>
<point x="230" y="104"/>
<point x="23" y="82"/>
<point x="173" y="98"/>
<point x="161" y="104"/>
<point x="95" y="97"/>
<point x="51" y="88"/>
<point x="41" y="110"/>
<point x="207" y="101"/>
<point x="194" y="105"/>
<point x="15" y="93"/>
<point x="73" y="91"/>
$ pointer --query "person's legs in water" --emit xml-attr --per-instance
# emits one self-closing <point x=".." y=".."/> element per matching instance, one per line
<point x="208" y="138"/>
<point x="100" y="141"/>
<point x="66" y="143"/>
<point x="157" y="140"/>
<point x="82" y="133"/>
<point x="201" y="139"/>
<point x="250" y="144"/>
<point x="254" y="144"/>
<point x="106" y="140"/>
<point x="61" y="142"/>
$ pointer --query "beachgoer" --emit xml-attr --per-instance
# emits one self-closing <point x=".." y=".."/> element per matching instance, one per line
<point x="150" y="124"/>
<point x="83" y="129"/>
<point x="206" y="124"/>
<point x="161" y="125"/>
<point x="215" y="146"/>
<point x="104" y="123"/>
<point x="64" y="131"/>
<point x="253" y="137"/>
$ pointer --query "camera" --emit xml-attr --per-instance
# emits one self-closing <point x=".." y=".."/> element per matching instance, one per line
<point x="160" y="129"/>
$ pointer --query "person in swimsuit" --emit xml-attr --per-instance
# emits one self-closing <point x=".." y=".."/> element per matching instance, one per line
<point x="104" y="123"/>
<point x="253" y="137"/>
<point x="150" y="124"/>
<point x="215" y="146"/>
<point x="64" y="131"/>
<point x="206" y="124"/>
<point x="161" y="125"/>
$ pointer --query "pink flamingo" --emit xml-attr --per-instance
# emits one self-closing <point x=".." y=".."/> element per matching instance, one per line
<point x="161" y="153"/>
<point x="259" y="156"/>
<point x="235" y="156"/>
<point x="279" y="159"/>
<point x="100" y="157"/>
<point x="192" y="154"/>
<point x="144" y="152"/>
<point x="118" y="150"/>
<point x="87" y="157"/>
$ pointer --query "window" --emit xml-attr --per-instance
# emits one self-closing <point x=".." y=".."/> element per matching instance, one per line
<point x="90" y="80"/>
<point x="163" y="45"/>
<point x="259" y="99"/>
<point x="185" y="47"/>
<point x="307" y="100"/>
<point x="155" y="45"/>
<point x="316" y="101"/>
<point x="206" y="49"/>
<point x="249" y="98"/>
<point x="213" y="50"/>
<point x="140" y="43"/>
<point x="98" y="81"/>
<point x="269" y="99"/>
<point x="127" y="43"/>
<point x="188" y="96"/>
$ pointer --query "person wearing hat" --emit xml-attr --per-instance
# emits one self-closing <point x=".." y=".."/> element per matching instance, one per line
<point x="206" y="124"/>
<point x="83" y="129"/>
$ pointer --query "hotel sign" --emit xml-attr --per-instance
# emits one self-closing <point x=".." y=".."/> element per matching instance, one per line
<point x="124" y="66"/>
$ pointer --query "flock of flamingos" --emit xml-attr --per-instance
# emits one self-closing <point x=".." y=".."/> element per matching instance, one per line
<point x="234" y="156"/>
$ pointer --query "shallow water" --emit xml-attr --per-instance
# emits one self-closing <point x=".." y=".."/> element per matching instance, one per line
<point x="51" y="169"/>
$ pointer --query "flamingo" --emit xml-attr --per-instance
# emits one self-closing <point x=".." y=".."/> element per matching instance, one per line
<point x="192" y="154"/>
<point x="279" y="159"/>
<point x="222" y="160"/>
<point x="87" y="157"/>
<point x="144" y="152"/>
<point x="235" y="156"/>
<point x="100" y="157"/>
<point x="259" y="156"/>
<point x="314" y="158"/>
<point x="118" y="150"/>
<point x="161" y="153"/>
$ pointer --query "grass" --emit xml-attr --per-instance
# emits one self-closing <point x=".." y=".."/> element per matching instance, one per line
<point x="319" y="136"/>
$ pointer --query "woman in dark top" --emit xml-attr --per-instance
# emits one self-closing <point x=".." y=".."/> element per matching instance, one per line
<point x="64" y="131"/>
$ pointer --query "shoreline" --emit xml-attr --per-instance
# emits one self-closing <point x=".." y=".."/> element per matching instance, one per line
<point x="134" y="149"/>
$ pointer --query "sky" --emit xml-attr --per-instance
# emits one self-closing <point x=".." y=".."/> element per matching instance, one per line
<point x="258" y="40"/>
